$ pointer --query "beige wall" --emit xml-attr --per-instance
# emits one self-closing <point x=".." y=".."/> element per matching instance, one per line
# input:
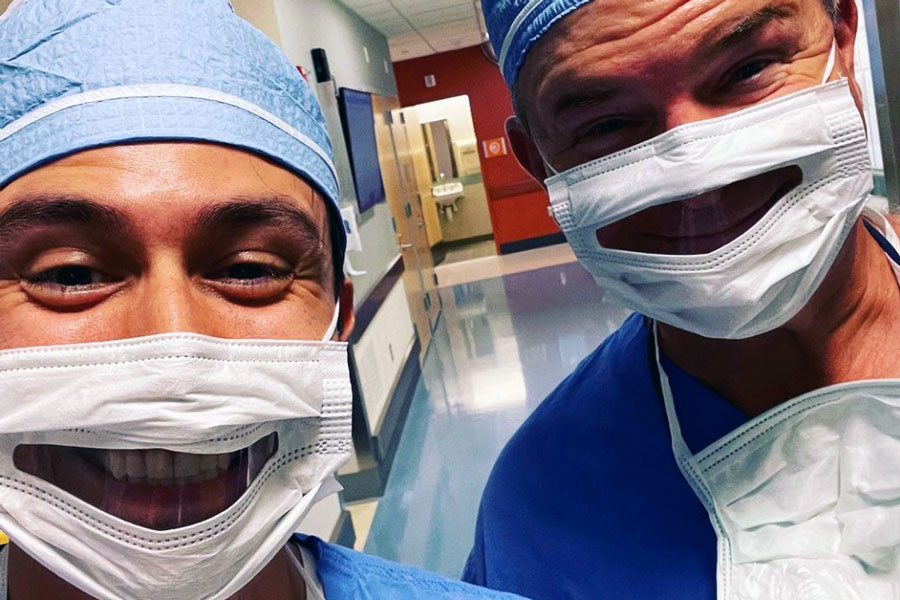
<point x="4" y="4"/>
<point x="261" y="14"/>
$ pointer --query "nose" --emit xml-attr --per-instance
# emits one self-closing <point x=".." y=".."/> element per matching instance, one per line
<point x="170" y="303"/>
<point x="686" y="109"/>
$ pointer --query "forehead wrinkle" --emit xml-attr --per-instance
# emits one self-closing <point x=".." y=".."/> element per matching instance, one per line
<point x="574" y="43"/>
<point x="577" y="39"/>
<point x="742" y="28"/>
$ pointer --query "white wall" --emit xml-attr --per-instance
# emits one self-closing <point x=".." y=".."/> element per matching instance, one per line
<point x="347" y="39"/>
<point x="381" y="353"/>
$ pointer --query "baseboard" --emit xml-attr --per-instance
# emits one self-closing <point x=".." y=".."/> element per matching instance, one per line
<point x="369" y="482"/>
<point x="344" y="534"/>
<point x="388" y="437"/>
<point x="532" y="243"/>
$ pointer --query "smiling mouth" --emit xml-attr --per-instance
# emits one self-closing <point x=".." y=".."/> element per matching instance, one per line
<point x="704" y="223"/>
<point x="155" y="488"/>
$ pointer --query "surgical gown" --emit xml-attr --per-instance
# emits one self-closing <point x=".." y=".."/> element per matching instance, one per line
<point x="349" y="575"/>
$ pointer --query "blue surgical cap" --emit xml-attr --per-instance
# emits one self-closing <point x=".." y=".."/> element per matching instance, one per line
<point x="78" y="74"/>
<point x="516" y="25"/>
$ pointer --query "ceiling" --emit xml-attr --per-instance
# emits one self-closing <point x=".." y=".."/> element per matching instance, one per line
<point x="419" y="27"/>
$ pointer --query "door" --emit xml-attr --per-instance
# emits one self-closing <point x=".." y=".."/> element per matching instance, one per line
<point x="421" y="239"/>
<point x="418" y="275"/>
<point x="420" y="168"/>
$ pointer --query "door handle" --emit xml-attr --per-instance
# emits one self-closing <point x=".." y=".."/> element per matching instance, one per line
<point x="405" y="246"/>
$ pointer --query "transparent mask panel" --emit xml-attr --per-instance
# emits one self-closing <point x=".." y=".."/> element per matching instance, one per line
<point x="154" y="488"/>
<point x="704" y="223"/>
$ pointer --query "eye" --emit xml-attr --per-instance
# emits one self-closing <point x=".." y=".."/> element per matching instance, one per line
<point x="249" y="272"/>
<point x="608" y="126"/>
<point x="749" y="71"/>
<point x="69" y="276"/>
<point x="251" y="276"/>
<point x="69" y="286"/>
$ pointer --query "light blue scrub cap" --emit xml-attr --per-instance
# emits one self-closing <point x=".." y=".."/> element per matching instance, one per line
<point x="77" y="74"/>
<point x="516" y="25"/>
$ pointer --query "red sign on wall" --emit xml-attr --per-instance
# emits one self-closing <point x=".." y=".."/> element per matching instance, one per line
<point x="494" y="148"/>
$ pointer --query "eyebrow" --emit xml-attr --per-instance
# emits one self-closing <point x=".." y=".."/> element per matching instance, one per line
<point x="584" y="97"/>
<point x="265" y="211"/>
<point x="731" y="34"/>
<point x="34" y="211"/>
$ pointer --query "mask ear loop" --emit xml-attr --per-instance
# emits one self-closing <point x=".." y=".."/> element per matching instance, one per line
<point x="334" y="321"/>
<point x="832" y="58"/>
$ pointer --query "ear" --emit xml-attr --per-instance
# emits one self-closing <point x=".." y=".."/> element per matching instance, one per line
<point x="525" y="151"/>
<point x="347" y="315"/>
<point x="845" y="32"/>
<point x="845" y="28"/>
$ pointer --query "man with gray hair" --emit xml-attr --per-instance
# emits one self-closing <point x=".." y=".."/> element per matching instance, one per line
<point x="174" y="386"/>
<point x="739" y="437"/>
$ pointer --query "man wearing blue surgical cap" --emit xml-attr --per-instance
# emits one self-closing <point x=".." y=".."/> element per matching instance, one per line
<point x="174" y="388"/>
<point x="739" y="437"/>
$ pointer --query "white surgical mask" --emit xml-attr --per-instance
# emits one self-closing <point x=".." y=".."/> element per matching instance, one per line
<point x="761" y="279"/>
<point x="185" y="393"/>
<point x="805" y="498"/>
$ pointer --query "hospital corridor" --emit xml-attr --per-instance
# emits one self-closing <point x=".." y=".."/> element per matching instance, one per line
<point x="449" y="299"/>
<point x="502" y="346"/>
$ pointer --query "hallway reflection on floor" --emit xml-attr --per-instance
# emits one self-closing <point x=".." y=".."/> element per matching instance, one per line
<point x="500" y="348"/>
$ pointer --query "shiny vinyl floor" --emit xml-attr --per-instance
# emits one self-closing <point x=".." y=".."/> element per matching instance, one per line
<point x="500" y="347"/>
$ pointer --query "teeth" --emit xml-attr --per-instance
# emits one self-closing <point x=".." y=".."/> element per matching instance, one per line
<point x="115" y="464"/>
<point x="187" y="465"/>
<point x="135" y="466"/>
<point x="209" y="466"/>
<point x="161" y="467"/>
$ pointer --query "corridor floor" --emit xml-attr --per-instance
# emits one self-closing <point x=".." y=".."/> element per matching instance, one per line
<point x="500" y="347"/>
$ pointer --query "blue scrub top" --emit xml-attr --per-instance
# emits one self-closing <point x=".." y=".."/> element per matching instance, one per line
<point x="586" y="500"/>
<point x="349" y="575"/>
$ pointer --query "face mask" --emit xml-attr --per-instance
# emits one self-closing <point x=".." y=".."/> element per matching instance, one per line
<point x="758" y="281"/>
<point x="805" y="499"/>
<point x="284" y="404"/>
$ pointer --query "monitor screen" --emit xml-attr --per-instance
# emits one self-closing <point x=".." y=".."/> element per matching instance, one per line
<point x="359" y="130"/>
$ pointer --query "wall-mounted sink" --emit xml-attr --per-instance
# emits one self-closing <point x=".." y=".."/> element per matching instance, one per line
<point x="447" y="193"/>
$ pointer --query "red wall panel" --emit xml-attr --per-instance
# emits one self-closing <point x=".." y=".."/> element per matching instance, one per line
<point x="518" y="205"/>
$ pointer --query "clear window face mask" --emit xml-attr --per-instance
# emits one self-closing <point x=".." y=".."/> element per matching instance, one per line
<point x="154" y="488"/>
<point x="790" y="176"/>
<point x="168" y="466"/>
<point x="704" y="222"/>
